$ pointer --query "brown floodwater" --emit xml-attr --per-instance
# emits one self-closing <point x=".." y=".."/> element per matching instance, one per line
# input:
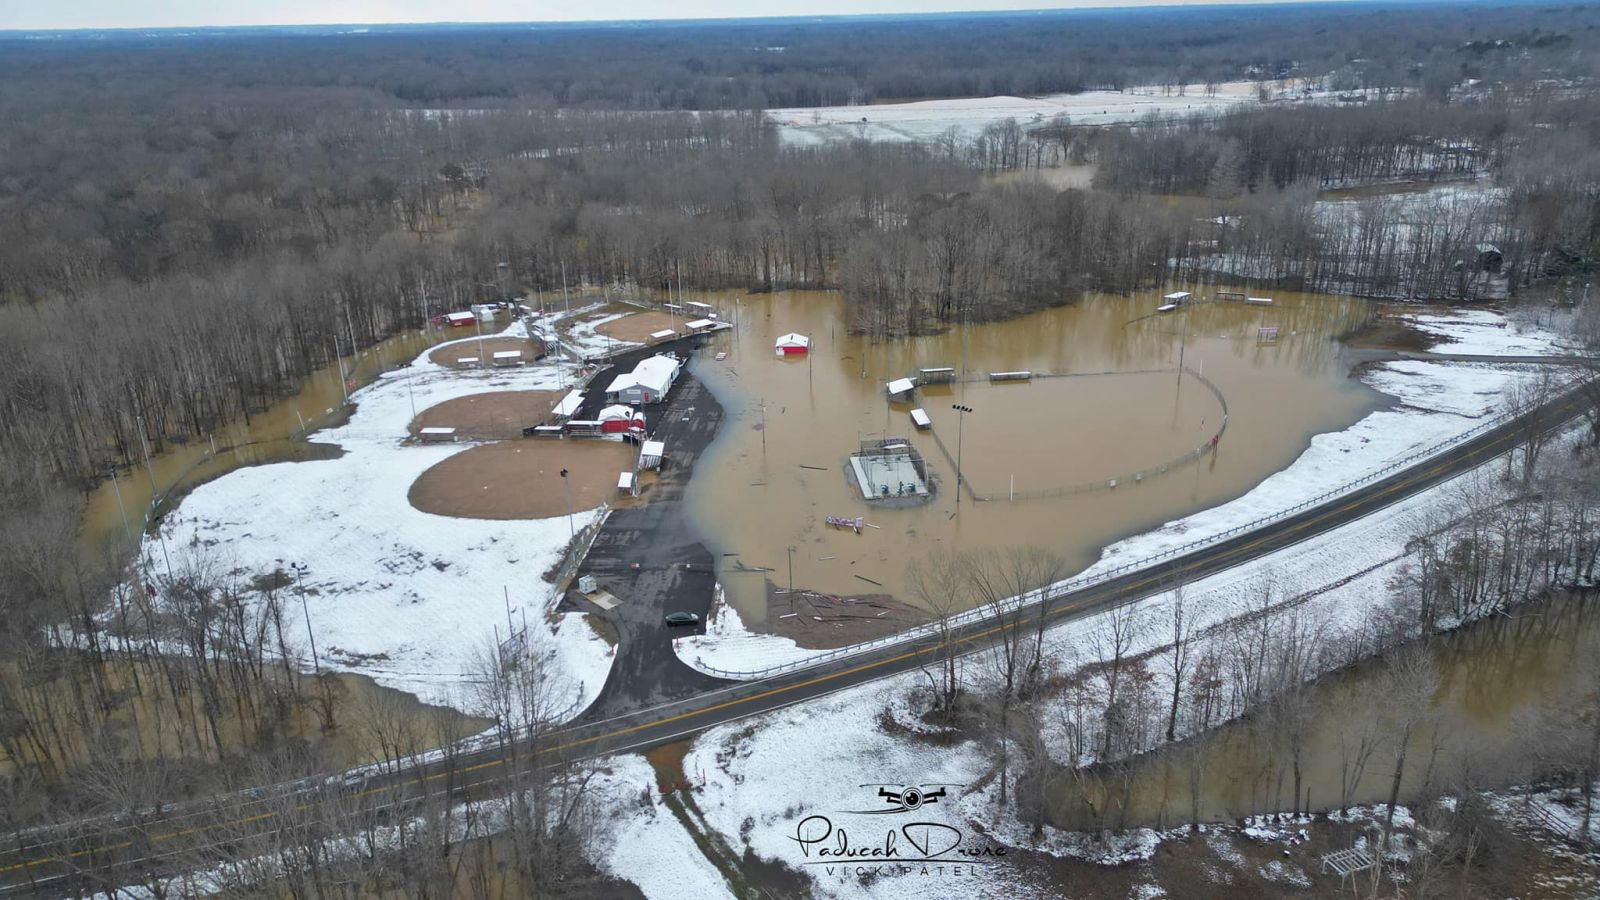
<point x="270" y="436"/>
<point x="1491" y="677"/>
<point x="771" y="477"/>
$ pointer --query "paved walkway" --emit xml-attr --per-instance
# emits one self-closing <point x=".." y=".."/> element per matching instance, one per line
<point x="674" y="570"/>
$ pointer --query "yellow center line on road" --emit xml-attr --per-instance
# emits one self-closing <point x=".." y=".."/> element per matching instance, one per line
<point x="1063" y="609"/>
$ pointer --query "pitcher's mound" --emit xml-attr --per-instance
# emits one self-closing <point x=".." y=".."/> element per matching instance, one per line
<point x="522" y="479"/>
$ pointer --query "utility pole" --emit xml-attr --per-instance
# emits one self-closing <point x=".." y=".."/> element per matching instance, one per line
<point x="155" y="496"/>
<point x="791" y="569"/>
<point x="300" y="571"/>
<point x="961" y="419"/>
<point x="1183" y="344"/>
<point x="116" y="488"/>
<point x="339" y="359"/>
<point x="564" y="298"/>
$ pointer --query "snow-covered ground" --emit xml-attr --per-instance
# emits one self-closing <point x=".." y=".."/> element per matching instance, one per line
<point x="1481" y="332"/>
<point x="1435" y="402"/>
<point x="927" y="120"/>
<point x="583" y="339"/>
<point x="763" y="788"/>
<point x="644" y="842"/>
<point x="409" y="598"/>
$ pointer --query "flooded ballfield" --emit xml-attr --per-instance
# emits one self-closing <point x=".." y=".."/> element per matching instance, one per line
<point x="774" y="475"/>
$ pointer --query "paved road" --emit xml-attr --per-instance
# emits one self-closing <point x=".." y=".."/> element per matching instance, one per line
<point x="648" y="558"/>
<point x="81" y="855"/>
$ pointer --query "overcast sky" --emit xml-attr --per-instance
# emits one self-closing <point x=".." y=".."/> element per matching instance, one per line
<point x="31" y="14"/>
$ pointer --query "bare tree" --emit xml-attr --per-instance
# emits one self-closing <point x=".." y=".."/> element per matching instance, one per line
<point x="939" y="581"/>
<point x="1111" y="640"/>
<point x="1177" y="655"/>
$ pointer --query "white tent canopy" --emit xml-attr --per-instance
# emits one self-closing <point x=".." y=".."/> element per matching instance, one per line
<point x="617" y="411"/>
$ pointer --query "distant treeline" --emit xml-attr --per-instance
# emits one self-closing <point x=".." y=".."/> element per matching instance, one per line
<point x="188" y="227"/>
<point x="732" y="64"/>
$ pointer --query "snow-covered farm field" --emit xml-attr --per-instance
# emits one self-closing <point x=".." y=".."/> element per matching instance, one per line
<point x="409" y="598"/>
<point x="927" y="120"/>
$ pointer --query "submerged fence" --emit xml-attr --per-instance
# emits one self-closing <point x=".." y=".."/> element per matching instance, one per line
<point x="1111" y="482"/>
<point x="1056" y="592"/>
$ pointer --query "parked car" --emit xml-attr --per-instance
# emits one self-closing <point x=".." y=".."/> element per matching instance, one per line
<point x="682" y="618"/>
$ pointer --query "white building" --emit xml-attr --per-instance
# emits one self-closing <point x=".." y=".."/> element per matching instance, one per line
<point x="649" y="382"/>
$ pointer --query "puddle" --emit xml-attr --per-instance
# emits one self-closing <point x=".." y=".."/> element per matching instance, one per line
<point x="773" y="476"/>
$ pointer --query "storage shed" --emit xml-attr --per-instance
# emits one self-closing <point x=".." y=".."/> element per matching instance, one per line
<point x="901" y="386"/>
<point x="651" y="453"/>
<point x="920" y="418"/>
<point x="459" y="319"/>
<point x="793" y="344"/>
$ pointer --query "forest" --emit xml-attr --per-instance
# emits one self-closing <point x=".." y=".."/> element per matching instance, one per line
<point x="190" y="226"/>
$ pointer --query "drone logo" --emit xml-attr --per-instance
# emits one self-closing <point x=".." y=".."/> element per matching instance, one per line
<point x="907" y="797"/>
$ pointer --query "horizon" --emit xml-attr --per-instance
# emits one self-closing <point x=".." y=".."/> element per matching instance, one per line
<point x="74" y="16"/>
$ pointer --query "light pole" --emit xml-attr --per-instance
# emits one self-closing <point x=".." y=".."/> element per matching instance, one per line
<point x="791" y="568"/>
<point x="300" y="571"/>
<point x="566" y="485"/>
<point x="961" y="418"/>
<point x="116" y="488"/>
<point x="155" y="498"/>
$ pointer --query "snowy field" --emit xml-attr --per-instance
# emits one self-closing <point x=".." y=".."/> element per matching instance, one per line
<point x="927" y="120"/>
<point x="409" y="598"/>
<point x="1480" y="332"/>
<point x="583" y="339"/>
<point x="1435" y="402"/>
